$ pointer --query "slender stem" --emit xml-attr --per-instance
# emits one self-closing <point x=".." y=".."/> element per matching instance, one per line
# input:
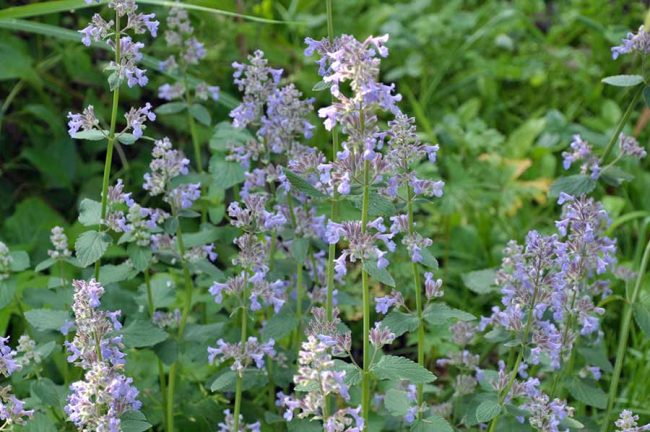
<point x="565" y="335"/>
<point x="365" y="383"/>
<point x="621" y="124"/>
<point x="331" y="253"/>
<point x="623" y="337"/>
<point x="238" y="383"/>
<point x="184" y="314"/>
<point x="111" y="138"/>
<point x="418" y="297"/>
<point x="161" y="370"/>
<point x="300" y="289"/>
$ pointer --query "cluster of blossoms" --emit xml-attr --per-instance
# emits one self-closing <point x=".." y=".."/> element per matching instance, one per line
<point x="228" y="424"/>
<point x="97" y="402"/>
<point x="627" y="422"/>
<point x="552" y="281"/>
<point x="317" y="377"/>
<point x="243" y="354"/>
<point x="12" y="409"/>
<point x="5" y="261"/>
<point x="639" y="42"/>
<point x="60" y="242"/>
<point x="179" y="35"/>
<point x="123" y="69"/>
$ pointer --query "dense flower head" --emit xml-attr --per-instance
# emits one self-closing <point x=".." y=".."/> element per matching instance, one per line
<point x="581" y="151"/>
<point x="228" y="424"/>
<point x="136" y="118"/>
<point x="60" y="243"/>
<point x="381" y="335"/>
<point x="629" y="146"/>
<point x="253" y="217"/>
<point x="251" y="352"/>
<point x="5" y="261"/>
<point x="86" y="121"/>
<point x="8" y="364"/>
<point x="628" y="422"/>
<point x="633" y="42"/>
<point x="166" y="164"/>
<point x="12" y="409"/>
<point x="167" y="319"/>
<point x="413" y="241"/>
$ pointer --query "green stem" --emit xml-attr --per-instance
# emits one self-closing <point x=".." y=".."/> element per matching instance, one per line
<point x="111" y="138"/>
<point x="300" y="289"/>
<point x="621" y="124"/>
<point x="418" y="297"/>
<point x="558" y="376"/>
<point x="365" y="383"/>
<point x="238" y="384"/>
<point x="184" y="314"/>
<point x="161" y="370"/>
<point x="623" y="337"/>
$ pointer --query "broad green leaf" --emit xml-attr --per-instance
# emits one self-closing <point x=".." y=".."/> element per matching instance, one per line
<point x="90" y="212"/>
<point x="171" y="108"/>
<point x="377" y="204"/>
<point x="126" y="138"/>
<point x="44" y="265"/>
<point x="111" y="273"/>
<point x="226" y="135"/>
<point x="226" y="174"/>
<point x="431" y="424"/>
<point x="46" y="391"/>
<point x="279" y="325"/>
<point x="575" y="185"/>
<point x="642" y="317"/>
<point x="379" y="274"/>
<point x="303" y="185"/>
<point x="40" y="422"/>
<point x="142" y="333"/>
<point x="201" y="114"/>
<point x="428" y="260"/>
<point x="91" y="246"/>
<point x="140" y="256"/>
<point x="352" y="372"/>
<point x="397" y="402"/>
<point x="587" y="392"/>
<point x="134" y="421"/>
<point x="441" y="313"/>
<point x="596" y="356"/>
<point x="400" y="322"/>
<point x="615" y="176"/>
<point x="394" y="368"/>
<point x="167" y="351"/>
<point x="487" y="410"/>
<point x="47" y="319"/>
<point x="299" y="248"/>
<point x="623" y="80"/>
<point x="91" y="135"/>
<point x="253" y="378"/>
<point x="7" y="292"/>
<point x="481" y="281"/>
<point x="571" y="423"/>
<point x="522" y="139"/>
<point x="304" y="425"/>
<point x="204" y="236"/>
<point x="19" y="261"/>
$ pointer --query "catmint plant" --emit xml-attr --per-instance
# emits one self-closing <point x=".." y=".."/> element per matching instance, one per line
<point x="12" y="409"/>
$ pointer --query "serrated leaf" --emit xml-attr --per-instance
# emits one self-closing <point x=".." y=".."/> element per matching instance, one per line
<point x="575" y="185"/>
<point x="111" y="273"/>
<point x="299" y="248"/>
<point x="90" y="247"/>
<point x="201" y="114"/>
<point x="642" y="317"/>
<point x="481" y="281"/>
<point x="615" y="176"/>
<point x="140" y="333"/>
<point x="90" y="212"/>
<point x="394" y="368"/>
<point x="623" y="80"/>
<point x="487" y="410"/>
<point x="379" y="274"/>
<point x="170" y="108"/>
<point x="587" y="392"/>
<point x="91" y="135"/>
<point x="428" y="260"/>
<point x="140" y="256"/>
<point x="226" y="135"/>
<point x="441" y="313"/>
<point x="397" y="402"/>
<point x="19" y="261"/>
<point x="377" y="204"/>
<point x="47" y="392"/>
<point x="352" y="372"/>
<point x="226" y="174"/>
<point x="46" y="319"/>
<point x="431" y="424"/>
<point x="279" y="325"/>
<point x="303" y="185"/>
<point x="134" y="421"/>
<point x="400" y="322"/>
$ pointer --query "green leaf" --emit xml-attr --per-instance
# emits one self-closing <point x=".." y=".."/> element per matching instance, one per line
<point x="46" y="319"/>
<point x="44" y="265"/>
<point x="225" y="135"/>
<point x="623" y="80"/>
<point x="253" y="378"/>
<point x="397" y="402"/>
<point x="481" y="281"/>
<point x="226" y="174"/>
<point x="615" y="176"/>
<point x="596" y="356"/>
<point x="487" y="410"/>
<point x="321" y="85"/>
<point x="140" y="256"/>
<point x="379" y="274"/>
<point x="442" y="313"/>
<point x="400" y="322"/>
<point x="201" y="114"/>
<point x="134" y="421"/>
<point x="304" y="425"/>
<point x="40" y="422"/>
<point x="46" y="391"/>
<point x="571" y="423"/>
<point x="431" y="424"/>
<point x="126" y="138"/>
<point x="377" y="204"/>
<point x="279" y="325"/>
<point x="167" y="351"/>
<point x="90" y="212"/>
<point x="91" y="135"/>
<point x="7" y="292"/>
<point x="19" y="261"/>
<point x="91" y="246"/>
<point x="394" y="368"/>
<point x="111" y="273"/>
<point x="171" y="108"/>
<point x="642" y="317"/>
<point x="303" y="185"/>
<point x="299" y="248"/>
<point x="587" y="392"/>
<point x="204" y="236"/>
<point x="142" y="333"/>
<point x="428" y="260"/>
<point x="522" y="139"/>
<point x="575" y="185"/>
<point x="352" y="372"/>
